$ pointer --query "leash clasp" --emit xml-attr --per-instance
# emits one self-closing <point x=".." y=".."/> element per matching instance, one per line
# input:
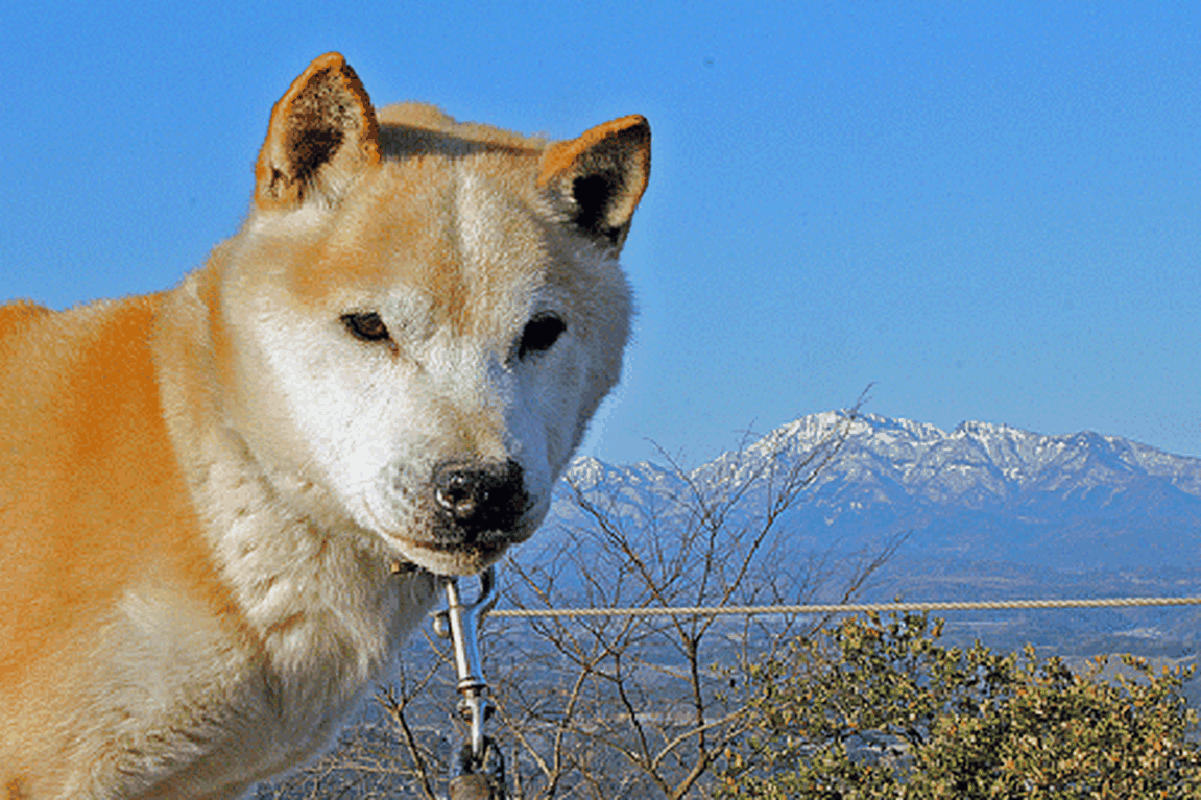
<point x="460" y="622"/>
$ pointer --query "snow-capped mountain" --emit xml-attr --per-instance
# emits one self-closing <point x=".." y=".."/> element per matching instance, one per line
<point x="981" y="492"/>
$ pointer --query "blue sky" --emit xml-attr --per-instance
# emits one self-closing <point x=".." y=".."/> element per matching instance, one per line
<point x="987" y="210"/>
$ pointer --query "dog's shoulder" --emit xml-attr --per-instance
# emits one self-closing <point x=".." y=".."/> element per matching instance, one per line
<point x="16" y="316"/>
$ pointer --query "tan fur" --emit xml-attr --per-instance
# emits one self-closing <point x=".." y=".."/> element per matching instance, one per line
<point x="201" y="491"/>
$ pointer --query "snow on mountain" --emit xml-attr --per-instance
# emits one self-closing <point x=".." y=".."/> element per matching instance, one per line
<point x="982" y="491"/>
<point x="981" y="462"/>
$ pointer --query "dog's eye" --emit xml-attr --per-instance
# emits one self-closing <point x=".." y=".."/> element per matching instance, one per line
<point x="368" y="327"/>
<point x="540" y="334"/>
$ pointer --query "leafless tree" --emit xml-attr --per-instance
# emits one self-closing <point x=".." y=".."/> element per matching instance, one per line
<point x="638" y="706"/>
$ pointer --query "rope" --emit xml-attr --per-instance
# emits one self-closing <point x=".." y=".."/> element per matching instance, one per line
<point x="707" y="611"/>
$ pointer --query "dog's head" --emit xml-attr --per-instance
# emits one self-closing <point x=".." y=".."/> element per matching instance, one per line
<point x="420" y="317"/>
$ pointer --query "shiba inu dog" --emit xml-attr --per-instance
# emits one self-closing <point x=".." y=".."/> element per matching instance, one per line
<point x="205" y="493"/>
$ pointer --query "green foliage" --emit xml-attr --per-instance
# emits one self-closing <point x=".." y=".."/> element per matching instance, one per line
<point x="869" y="709"/>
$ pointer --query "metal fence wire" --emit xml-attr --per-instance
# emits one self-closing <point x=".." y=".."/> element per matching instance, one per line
<point x="707" y="611"/>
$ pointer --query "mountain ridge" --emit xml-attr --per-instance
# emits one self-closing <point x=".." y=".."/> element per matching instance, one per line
<point x="981" y="491"/>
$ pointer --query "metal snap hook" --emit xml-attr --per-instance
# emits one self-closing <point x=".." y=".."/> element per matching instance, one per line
<point x="460" y="622"/>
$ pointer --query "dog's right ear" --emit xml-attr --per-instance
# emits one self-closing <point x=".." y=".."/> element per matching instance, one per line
<point x="323" y="133"/>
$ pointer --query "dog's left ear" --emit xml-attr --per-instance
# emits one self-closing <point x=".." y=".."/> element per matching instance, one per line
<point x="322" y="134"/>
<point x="600" y="177"/>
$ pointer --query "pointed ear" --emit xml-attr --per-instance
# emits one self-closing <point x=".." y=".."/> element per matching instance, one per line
<point x="322" y="134"/>
<point x="600" y="177"/>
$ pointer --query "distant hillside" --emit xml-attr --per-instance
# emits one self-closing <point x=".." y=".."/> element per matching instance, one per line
<point x="991" y="512"/>
<point x="983" y="492"/>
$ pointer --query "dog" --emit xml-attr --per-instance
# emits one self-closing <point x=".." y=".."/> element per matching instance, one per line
<point x="222" y="506"/>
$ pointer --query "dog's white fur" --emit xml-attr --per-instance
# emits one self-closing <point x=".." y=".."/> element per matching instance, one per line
<point x="204" y="492"/>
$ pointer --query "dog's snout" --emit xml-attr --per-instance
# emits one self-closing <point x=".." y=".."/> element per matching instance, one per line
<point x="480" y="495"/>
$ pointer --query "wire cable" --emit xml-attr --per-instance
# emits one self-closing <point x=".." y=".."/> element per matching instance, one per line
<point x="707" y="611"/>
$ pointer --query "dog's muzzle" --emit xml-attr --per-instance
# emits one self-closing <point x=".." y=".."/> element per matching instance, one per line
<point x="473" y="497"/>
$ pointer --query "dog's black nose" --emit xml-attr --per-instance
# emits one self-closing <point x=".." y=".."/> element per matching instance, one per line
<point x="480" y="495"/>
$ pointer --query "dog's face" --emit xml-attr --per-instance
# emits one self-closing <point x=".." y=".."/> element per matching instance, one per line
<point x="417" y="324"/>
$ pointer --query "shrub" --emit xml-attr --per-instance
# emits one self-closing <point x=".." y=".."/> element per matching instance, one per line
<point x="869" y="709"/>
